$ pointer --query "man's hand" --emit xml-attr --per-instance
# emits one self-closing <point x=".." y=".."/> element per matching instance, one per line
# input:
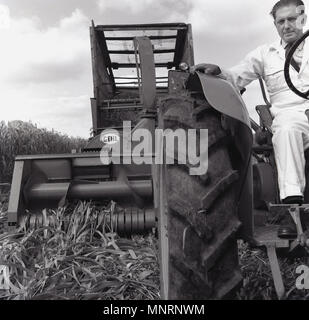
<point x="207" y="68"/>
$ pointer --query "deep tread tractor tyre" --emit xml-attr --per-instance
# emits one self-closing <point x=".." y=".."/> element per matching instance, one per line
<point x="198" y="220"/>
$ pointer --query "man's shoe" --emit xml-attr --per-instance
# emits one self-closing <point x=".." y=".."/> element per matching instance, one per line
<point x="293" y="200"/>
<point x="288" y="229"/>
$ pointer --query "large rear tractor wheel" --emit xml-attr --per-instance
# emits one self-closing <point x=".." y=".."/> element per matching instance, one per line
<point x="198" y="220"/>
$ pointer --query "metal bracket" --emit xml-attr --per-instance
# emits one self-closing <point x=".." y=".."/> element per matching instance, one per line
<point x="295" y="213"/>
<point x="147" y="79"/>
<point x="275" y="270"/>
<point x="301" y="237"/>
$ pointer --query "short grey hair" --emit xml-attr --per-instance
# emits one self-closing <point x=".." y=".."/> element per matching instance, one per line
<point x="285" y="3"/>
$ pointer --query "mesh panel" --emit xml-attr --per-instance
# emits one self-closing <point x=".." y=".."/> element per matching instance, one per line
<point x="123" y="41"/>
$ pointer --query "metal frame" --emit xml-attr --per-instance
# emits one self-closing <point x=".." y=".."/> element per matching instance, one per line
<point x="106" y="85"/>
<point x="44" y="180"/>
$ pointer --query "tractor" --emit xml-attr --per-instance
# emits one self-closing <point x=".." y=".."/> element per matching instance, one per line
<point x="141" y="79"/>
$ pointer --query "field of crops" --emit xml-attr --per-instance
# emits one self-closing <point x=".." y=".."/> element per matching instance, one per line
<point x="74" y="258"/>
<point x="20" y="138"/>
<point x="76" y="255"/>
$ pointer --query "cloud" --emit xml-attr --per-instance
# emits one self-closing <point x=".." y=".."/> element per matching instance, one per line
<point x="67" y="114"/>
<point x="219" y="16"/>
<point x="238" y="25"/>
<point x="4" y="17"/>
<point x="46" y="73"/>
<point x="70" y="113"/>
<point x="49" y="11"/>
<point x="144" y="11"/>
<point x="34" y="55"/>
<point x="222" y="17"/>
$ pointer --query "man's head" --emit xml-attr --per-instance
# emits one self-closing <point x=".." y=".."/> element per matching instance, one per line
<point x="289" y="19"/>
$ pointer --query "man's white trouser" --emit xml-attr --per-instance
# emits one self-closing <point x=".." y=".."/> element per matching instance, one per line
<point x="290" y="140"/>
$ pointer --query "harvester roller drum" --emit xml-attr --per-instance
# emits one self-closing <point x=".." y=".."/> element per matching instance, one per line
<point x="134" y="221"/>
<point x="124" y="221"/>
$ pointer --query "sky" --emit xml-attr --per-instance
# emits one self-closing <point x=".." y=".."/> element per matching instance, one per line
<point x="45" y="59"/>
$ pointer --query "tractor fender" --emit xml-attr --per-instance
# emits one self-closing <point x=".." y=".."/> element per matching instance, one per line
<point x="223" y="97"/>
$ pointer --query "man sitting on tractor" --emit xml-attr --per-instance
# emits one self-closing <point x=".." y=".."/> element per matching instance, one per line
<point x="290" y="125"/>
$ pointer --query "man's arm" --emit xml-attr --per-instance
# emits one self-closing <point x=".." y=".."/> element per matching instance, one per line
<point x="249" y="69"/>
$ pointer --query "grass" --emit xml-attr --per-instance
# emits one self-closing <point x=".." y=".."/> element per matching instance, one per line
<point x="258" y="283"/>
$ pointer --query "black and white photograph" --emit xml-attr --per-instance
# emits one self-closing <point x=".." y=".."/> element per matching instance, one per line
<point x="155" y="151"/>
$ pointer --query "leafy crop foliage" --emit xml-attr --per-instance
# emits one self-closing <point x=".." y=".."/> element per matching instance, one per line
<point x="76" y="255"/>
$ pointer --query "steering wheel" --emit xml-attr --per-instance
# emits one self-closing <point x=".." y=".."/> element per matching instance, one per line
<point x="287" y="64"/>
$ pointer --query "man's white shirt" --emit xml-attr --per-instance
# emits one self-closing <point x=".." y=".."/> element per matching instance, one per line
<point x="267" y="62"/>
